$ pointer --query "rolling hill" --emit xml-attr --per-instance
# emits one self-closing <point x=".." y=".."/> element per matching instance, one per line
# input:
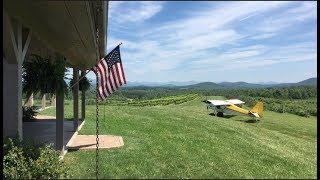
<point x="212" y="85"/>
<point x="203" y="85"/>
<point x="241" y="85"/>
<point x="307" y="82"/>
<point x="310" y="81"/>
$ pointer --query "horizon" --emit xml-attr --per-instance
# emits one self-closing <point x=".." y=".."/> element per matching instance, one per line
<point x="215" y="41"/>
<point x="195" y="82"/>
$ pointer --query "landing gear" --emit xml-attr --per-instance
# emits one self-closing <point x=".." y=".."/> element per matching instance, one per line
<point x="220" y="114"/>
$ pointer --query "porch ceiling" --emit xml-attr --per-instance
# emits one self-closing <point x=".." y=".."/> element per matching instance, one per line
<point x="68" y="27"/>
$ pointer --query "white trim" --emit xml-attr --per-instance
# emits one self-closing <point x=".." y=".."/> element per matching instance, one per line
<point x="74" y="135"/>
<point x="26" y="45"/>
<point x="70" y="141"/>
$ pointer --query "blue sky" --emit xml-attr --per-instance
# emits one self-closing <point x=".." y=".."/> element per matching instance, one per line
<point x="215" y="41"/>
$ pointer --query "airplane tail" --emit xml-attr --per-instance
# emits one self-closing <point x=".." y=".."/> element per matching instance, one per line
<point x="257" y="109"/>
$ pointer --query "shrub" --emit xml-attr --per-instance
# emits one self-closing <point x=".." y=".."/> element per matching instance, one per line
<point x="15" y="165"/>
<point x="28" y="113"/>
<point x="25" y="160"/>
<point x="48" y="165"/>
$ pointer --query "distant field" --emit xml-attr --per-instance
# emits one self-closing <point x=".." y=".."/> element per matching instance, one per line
<point x="184" y="141"/>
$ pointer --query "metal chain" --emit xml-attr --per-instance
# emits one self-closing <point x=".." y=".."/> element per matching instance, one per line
<point x="97" y="132"/>
<point x="97" y="121"/>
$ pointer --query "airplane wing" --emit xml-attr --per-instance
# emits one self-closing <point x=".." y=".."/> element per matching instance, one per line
<point x="235" y="101"/>
<point x="219" y="102"/>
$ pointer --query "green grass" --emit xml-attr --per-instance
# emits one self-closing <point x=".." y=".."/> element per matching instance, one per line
<point x="68" y="110"/>
<point x="184" y="141"/>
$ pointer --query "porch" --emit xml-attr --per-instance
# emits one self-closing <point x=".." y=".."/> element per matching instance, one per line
<point x="44" y="131"/>
<point x="74" y="30"/>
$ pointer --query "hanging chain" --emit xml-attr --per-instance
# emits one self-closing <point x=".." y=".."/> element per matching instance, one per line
<point x="97" y="122"/>
<point x="97" y="132"/>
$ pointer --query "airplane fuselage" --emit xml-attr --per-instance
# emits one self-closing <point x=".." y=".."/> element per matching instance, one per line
<point x="217" y="110"/>
<point x="233" y="107"/>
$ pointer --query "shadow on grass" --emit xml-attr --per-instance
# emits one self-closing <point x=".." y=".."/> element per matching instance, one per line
<point x="249" y="121"/>
<point x="230" y="116"/>
<point x="224" y="116"/>
<point x="71" y="119"/>
<point x="76" y="148"/>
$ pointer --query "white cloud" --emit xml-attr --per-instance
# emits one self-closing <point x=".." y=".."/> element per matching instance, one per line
<point x="231" y="56"/>
<point x="261" y="56"/>
<point x="135" y="11"/>
<point x="263" y="36"/>
<point x="207" y="39"/>
<point x="281" y="21"/>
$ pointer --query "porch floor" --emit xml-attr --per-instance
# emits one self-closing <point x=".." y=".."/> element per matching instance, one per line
<point x="44" y="131"/>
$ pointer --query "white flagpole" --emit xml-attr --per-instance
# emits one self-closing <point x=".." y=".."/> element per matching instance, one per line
<point x="80" y="79"/>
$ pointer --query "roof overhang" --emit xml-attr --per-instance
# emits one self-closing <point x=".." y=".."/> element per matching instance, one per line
<point x="66" y="27"/>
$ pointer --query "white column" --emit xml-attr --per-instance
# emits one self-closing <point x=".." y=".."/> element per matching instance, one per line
<point x="30" y="101"/>
<point x="83" y="102"/>
<point x="12" y="99"/>
<point x="43" y="101"/>
<point x="53" y="100"/>
<point x="83" y="105"/>
<point x="14" y="54"/>
<point x="59" y="122"/>
<point x="75" y="98"/>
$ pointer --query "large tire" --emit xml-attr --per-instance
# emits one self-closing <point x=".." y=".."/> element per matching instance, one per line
<point x="220" y="114"/>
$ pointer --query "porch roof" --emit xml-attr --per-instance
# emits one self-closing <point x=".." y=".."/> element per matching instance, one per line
<point x="67" y="27"/>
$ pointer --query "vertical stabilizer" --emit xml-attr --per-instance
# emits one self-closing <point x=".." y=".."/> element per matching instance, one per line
<point x="258" y="108"/>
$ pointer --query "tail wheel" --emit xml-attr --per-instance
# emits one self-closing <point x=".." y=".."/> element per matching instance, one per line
<point x="220" y="114"/>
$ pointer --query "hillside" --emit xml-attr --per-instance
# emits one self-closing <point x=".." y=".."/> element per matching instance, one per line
<point x="241" y="85"/>
<point x="307" y="82"/>
<point x="203" y="85"/>
<point x="185" y="141"/>
<point x="212" y="85"/>
<point x="310" y="81"/>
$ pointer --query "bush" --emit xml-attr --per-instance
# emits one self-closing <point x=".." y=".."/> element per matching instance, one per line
<point x="24" y="160"/>
<point x="48" y="165"/>
<point x="28" y="113"/>
<point x="15" y="165"/>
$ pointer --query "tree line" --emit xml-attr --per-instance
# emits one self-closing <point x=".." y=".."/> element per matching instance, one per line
<point x="299" y="100"/>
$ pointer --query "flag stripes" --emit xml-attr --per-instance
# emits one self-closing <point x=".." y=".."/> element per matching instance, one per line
<point x="110" y="74"/>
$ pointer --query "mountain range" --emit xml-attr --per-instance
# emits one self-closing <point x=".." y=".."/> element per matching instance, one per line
<point x="221" y="85"/>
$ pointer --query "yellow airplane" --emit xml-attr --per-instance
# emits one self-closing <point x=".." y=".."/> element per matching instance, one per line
<point x="234" y="107"/>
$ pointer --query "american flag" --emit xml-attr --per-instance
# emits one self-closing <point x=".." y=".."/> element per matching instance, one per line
<point x="110" y="74"/>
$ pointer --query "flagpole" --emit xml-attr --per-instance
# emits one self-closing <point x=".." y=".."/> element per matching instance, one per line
<point x="80" y="79"/>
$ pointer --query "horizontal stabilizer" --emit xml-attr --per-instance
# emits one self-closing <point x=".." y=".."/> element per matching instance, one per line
<point x="255" y="115"/>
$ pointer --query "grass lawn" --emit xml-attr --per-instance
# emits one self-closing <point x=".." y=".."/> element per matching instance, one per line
<point x="184" y="141"/>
